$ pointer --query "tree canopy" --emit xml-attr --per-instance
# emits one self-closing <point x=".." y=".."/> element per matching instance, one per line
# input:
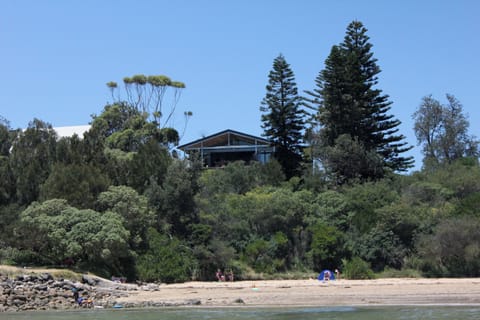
<point x="442" y="130"/>
<point x="146" y="94"/>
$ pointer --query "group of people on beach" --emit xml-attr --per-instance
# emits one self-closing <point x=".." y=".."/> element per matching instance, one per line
<point x="224" y="277"/>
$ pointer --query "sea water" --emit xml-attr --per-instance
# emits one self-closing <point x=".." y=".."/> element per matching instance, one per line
<point x="353" y="313"/>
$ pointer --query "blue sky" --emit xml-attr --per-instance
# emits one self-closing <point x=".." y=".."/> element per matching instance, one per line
<point x="57" y="56"/>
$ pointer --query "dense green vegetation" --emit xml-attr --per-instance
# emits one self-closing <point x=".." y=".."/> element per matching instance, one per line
<point x="119" y="202"/>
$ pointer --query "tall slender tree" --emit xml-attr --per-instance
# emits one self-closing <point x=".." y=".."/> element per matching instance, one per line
<point x="283" y="118"/>
<point x="346" y="103"/>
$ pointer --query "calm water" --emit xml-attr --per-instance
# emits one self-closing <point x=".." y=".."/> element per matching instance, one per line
<point x="380" y="313"/>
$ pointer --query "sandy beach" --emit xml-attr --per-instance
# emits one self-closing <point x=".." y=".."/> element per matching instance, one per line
<point x="293" y="293"/>
<point x="290" y="293"/>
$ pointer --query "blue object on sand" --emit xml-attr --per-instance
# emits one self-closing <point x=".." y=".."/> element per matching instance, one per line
<point x="321" y="276"/>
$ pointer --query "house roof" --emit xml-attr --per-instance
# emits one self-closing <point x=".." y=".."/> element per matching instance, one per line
<point x="70" y="131"/>
<point x="225" y="138"/>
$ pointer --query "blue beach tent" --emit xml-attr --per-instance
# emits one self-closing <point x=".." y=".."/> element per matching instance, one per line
<point x="321" y="276"/>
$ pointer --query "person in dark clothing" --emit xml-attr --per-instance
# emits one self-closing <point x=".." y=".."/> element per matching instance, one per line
<point x="75" y="293"/>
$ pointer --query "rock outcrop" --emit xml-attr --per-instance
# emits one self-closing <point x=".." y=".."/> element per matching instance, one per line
<point x="43" y="292"/>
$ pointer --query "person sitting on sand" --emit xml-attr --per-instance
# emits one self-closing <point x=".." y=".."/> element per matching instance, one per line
<point x="88" y="303"/>
<point x="326" y="275"/>
<point x="85" y="301"/>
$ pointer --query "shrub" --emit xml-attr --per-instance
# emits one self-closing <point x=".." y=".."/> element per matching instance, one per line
<point x="13" y="256"/>
<point x="326" y="246"/>
<point x="453" y="249"/>
<point x="357" y="269"/>
<point x="167" y="260"/>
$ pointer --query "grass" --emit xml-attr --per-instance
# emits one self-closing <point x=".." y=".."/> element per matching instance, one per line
<point x="404" y="273"/>
<point x="12" y="271"/>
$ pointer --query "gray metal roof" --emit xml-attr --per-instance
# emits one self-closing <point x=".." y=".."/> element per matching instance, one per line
<point x="225" y="138"/>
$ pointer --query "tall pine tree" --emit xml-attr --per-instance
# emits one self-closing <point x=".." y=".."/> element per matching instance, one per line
<point x="348" y="105"/>
<point x="282" y="118"/>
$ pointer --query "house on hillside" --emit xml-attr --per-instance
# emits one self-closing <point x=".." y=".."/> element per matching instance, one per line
<point x="227" y="146"/>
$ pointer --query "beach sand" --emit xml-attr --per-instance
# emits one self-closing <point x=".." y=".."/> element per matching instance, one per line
<point x="297" y="293"/>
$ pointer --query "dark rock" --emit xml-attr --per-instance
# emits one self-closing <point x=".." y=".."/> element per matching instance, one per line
<point x="193" y="302"/>
<point x="41" y="287"/>
<point x="19" y="297"/>
<point x="32" y="277"/>
<point x="89" y="280"/>
<point x="45" y="277"/>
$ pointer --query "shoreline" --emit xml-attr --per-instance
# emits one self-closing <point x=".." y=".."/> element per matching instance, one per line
<point x="311" y="293"/>
<point x="41" y="291"/>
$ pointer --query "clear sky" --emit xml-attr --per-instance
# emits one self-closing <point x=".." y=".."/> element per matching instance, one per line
<point x="56" y="56"/>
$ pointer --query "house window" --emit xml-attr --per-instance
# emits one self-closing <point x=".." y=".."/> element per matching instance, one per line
<point x="263" y="157"/>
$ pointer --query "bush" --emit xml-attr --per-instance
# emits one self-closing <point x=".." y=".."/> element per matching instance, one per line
<point x="357" y="269"/>
<point x="267" y="256"/>
<point x="167" y="260"/>
<point x="241" y="270"/>
<point x="257" y="256"/>
<point x="453" y="249"/>
<point x="326" y="246"/>
<point x="13" y="256"/>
